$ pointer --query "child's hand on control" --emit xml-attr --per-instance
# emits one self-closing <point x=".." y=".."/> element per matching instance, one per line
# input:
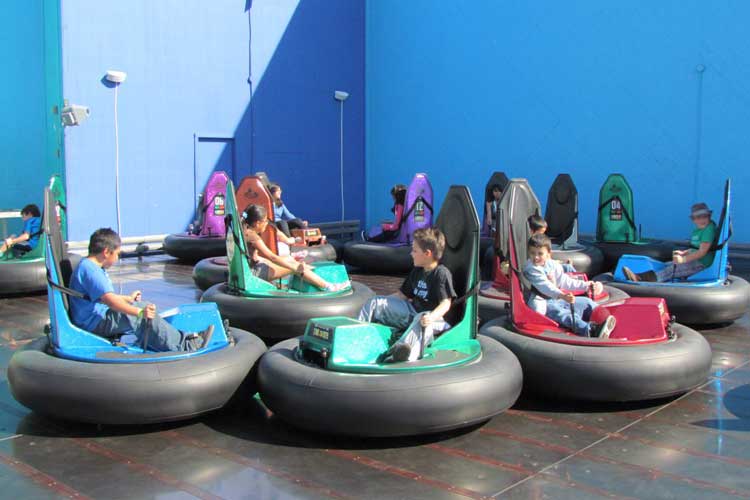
<point x="149" y="312"/>
<point x="598" y="287"/>
<point x="303" y="267"/>
<point x="135" y="296"/>
<point x="426" y="319"/>
<point x="568" y="297"/>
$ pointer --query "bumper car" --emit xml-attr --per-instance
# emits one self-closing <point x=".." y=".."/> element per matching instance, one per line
<point x="562" y="219"/>
<point x="204" y="238"/>
<point x="278" y="310"/>
<point x="253" y="189"/>
<point x="616" y="232"/>
<point x="310" y="239"/>
<point x="710" y="296"/>
<point x="333" y="380"/>
<point x="647" y="355"/>
<point x="394" y="256"/>
<point x="27" y="274"/>
<point x="73" y="374"/>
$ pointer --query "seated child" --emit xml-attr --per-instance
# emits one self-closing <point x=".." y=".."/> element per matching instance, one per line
<point x="538" y="225"/>
<point x="268" y="266"/>
<point x="388" y="230"/>
<point x="685" y="263"/>
<point x="490" y="209"/>
<point x="285" y="220"/>
<point x="419" y="306"/>
<point x="29" y="237"/>
<point x="547" y="278"/>
<point x="110" y="315"/>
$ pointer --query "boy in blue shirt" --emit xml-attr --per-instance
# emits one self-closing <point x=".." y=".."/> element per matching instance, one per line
<point x="548" y="280"/>
<point x="29" y="237"/>
<point x="110" y="315"/>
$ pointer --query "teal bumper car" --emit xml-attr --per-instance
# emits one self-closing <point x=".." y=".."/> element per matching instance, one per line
<point x="27" y="274"/>
<point x="278" y="310"/>
<point x="333" y="380"/>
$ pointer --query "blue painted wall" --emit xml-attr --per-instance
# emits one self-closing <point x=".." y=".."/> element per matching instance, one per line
<point x="30" y="97"/>
<point x="459" y="89"/>
<point x="233" y="84"/>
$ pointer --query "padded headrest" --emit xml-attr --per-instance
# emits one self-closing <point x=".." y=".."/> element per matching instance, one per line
<point x="615" y="221"/>
<point x="216" y="185"/>
<point x="562" y="189"/>
<point x="417" y="208"/>
<point x="562" y="208"/>
<point x="517" y="204"/>
<point x="459" y="223"/>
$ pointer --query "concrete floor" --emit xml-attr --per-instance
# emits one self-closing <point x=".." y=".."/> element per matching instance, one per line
<point x="693" y="446"/>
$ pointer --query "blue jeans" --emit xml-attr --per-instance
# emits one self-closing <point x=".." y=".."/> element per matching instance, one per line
<point x="559" y="311"/>
<point x="400" y="314"/>
<point x="568" y="268"/>
<point x="162" y="336"/>
<point x="676" y="271"/>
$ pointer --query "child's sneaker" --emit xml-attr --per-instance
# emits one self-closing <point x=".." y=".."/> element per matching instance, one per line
<point x="606" y="329"/>
<point x="400" y="352"/>
<point x="199" y="340"/>
<point x="337" y="287"/>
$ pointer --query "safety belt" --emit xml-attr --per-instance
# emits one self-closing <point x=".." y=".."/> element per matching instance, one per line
<point x="625" y="212"/>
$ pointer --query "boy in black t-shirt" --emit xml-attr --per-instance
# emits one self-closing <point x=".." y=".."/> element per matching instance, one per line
<point x="421" y="302"/>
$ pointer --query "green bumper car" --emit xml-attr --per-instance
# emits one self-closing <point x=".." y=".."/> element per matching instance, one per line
<point x="332" y="379"/>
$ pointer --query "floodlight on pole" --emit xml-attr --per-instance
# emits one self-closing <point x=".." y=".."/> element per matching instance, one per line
<point x="117" y="77"/>
<point x="341" y="96"/>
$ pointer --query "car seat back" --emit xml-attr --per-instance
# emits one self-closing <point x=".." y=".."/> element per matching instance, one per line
<point x="417" y="209"/>
<point x="239" y="276"/>
<point x="59" y="269"/>
<point x="561" y="212"/>
<point x="252" y="190"/>
<point x="459" y="222"/>
<point x="212" y="209"/>
<point x="616" y="215"/>
<point x="718" y="268"/>
<point x="499" y="179"/>
<point x="516" y="205"/>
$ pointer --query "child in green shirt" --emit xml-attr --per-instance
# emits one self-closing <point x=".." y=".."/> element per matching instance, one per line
<point x="686" y="262"/>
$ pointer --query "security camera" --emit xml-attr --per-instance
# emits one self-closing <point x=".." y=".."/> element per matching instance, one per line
<point x="340" y="95"/>
<point x="74" y="114"/>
